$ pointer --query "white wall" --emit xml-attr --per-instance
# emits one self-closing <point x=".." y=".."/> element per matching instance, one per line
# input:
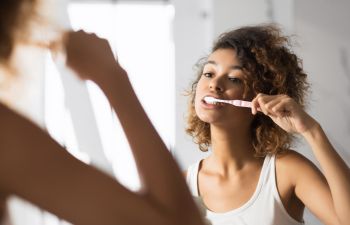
<point x="192" y="37"/>
<point x="326" y="57"/>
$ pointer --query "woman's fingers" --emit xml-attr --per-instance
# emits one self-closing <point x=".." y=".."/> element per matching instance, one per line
<point x="271" y="105"/>
<point x="279" y="106"/>
<point x="259" y="103"/>
<point x="255" y="104"/>
<point x="88" y="55"/>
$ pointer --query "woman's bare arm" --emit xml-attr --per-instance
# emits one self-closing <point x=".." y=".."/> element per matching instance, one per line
<point x="327" y="194"/>
<point x="160" y="174"/>
<point x="36" y="168"/>
<point x="335" y="170"/>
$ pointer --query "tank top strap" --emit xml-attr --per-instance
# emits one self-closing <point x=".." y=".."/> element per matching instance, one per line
<point x="276" y="195"/>
<point x="192" y="177"/>
<point x="266" y="170"/>
<point x="273" y="178"/>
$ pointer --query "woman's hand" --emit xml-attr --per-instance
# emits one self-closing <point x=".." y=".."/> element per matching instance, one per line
<point x="91" y="57"/>
<point x="284" y="111"/>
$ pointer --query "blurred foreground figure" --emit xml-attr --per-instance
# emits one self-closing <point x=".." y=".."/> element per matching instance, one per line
<point x="33" y="166"/>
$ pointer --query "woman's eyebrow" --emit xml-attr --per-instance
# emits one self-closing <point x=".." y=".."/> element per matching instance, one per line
<point x="210" y="62"/>
<point x="234" y="67"/>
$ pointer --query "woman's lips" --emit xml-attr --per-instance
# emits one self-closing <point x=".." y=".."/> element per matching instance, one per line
<point x="211" y="106"/>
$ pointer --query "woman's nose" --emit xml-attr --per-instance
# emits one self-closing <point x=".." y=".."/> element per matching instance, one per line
<point x="216" y="85"/>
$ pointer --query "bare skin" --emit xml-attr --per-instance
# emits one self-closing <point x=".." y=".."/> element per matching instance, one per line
<point x="228" y="177"/>
<point x="34" y="167"/>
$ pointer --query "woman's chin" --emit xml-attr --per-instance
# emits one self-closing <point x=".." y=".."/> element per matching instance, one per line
<point x="209" y="118"/>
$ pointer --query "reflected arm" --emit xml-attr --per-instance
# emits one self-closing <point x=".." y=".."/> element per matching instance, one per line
<point x="36" y="168"/>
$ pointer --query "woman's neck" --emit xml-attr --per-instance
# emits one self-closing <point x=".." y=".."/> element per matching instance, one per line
<point x="232" y="149"/>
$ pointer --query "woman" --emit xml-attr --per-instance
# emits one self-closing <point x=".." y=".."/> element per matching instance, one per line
<point x="36" y="168"/>
<point x="252" y="176"/>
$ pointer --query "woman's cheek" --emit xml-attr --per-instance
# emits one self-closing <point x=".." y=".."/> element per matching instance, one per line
<point x="196" y="106"/>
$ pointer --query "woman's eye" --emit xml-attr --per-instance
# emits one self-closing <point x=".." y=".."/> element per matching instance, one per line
<point x="208" y="74"/>
<point x="235" y="80"/>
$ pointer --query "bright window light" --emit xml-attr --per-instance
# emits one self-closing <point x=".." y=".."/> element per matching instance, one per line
<point x="140" y="34"/>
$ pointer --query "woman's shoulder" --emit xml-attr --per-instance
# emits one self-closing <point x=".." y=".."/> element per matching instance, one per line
<point x="291" y="158"/>
<point x="291" y="164"/>
<point x="3" y="108"/>
<point x="8" y="117"/>
<point x="5" y="111"/>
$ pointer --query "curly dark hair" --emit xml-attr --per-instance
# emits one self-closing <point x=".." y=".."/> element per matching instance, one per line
<point x="271" y="68"/>
<point x="15" y="15"/>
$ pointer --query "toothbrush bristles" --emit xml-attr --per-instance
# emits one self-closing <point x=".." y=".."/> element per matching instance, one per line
<point x="210" y="100"/>
<point x="215" y="101"/>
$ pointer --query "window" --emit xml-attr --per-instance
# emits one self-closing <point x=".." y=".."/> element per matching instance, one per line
<point x="140" y="33"/>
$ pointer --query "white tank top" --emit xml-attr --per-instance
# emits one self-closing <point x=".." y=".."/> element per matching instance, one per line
<point x="263" y="208"/>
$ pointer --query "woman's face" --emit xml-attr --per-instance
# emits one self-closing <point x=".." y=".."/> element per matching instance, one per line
<point x="222" y="78"/>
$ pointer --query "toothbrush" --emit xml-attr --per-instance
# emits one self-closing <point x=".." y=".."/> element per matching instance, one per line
<point x="239" y="103"/>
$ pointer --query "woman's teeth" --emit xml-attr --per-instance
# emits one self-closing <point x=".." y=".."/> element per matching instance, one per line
<point x="212" y="103"/>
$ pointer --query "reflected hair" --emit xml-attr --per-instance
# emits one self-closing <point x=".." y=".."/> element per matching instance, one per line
<point x="15" y="17"/>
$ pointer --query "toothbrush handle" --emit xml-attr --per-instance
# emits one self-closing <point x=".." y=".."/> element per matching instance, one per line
<point x="241" y="103"/>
